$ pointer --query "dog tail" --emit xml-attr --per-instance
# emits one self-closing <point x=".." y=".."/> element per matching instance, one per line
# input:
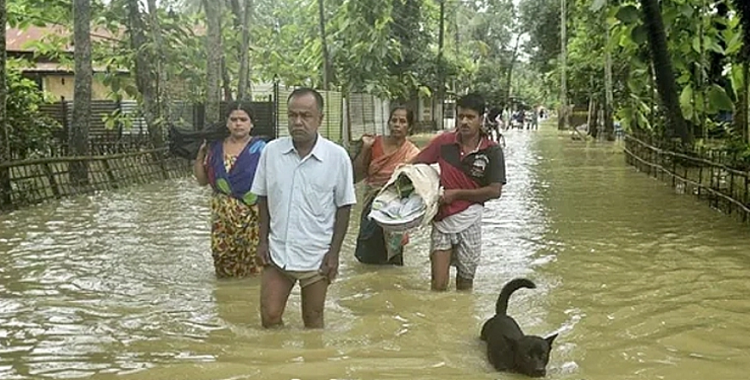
<point x="501" y="308"/>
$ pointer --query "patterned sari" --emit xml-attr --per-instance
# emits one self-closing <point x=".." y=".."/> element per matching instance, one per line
<point x="234" y="212"/>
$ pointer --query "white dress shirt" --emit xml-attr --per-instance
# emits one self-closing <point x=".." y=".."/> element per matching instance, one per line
<point x="303" y="195"/>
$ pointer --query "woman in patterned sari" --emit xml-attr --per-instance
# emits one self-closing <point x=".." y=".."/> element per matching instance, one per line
<point x="375" y="164"/>
<point x="229" y="167"/>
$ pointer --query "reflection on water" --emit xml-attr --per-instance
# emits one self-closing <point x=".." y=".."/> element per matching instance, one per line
<point x="640" y="282"/>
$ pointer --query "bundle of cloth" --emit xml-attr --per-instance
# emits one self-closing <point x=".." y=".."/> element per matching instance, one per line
<point x="185" y="144"/>
<point x="409" y="199"/>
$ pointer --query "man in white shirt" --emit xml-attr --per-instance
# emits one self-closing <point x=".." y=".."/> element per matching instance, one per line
<point x="305" y="189"/>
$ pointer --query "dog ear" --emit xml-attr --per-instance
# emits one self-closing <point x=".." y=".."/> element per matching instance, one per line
<point x="550" y="339"/>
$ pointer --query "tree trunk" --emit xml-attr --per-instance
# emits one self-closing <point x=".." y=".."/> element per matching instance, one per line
<point x="743" y="8"/>
<point x="717" y="61"/>
<point x="4" y="138"/>
<point x="665" y="80"/>
<point x="324" y="42"/>
<point x="156" y="127"/>
<point x="563" y="121"/>
<point x="213" y="67"/>
<point x="244" y="86"/>
<point x="236" y="13"/>
<point x="609" y="98"/>
<point x="145" y="76"/>
<point x="741" y="116"/>
<point x="438" y="103"/>
<point x="594" y="119"/>
<point x="509" y="77"/>
<point x="609" y="122"/>
<point x="79" y="136"/>
<point x="226" y="80"/>
<point x="652" y="96"/>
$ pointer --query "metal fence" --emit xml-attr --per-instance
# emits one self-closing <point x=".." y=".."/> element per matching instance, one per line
<point x="119" y="126"/>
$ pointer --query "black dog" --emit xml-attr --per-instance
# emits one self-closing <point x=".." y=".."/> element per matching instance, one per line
<point x="508" y="349"/>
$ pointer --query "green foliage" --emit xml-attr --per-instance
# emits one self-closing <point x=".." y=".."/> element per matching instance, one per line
<point x="25" y="13"/>
<point x="541" y="21"/>
<point x="29" y="131"/>
<point x="388" y="48"/>
<point x="384" y="47"/>
<point x="363" y="49"/>
<point x="696" y="33"/>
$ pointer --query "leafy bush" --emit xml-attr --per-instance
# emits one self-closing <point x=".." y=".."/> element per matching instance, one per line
<point x="29" y="131"/>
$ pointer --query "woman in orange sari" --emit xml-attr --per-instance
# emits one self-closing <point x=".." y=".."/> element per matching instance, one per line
<point x="375" y="164"/>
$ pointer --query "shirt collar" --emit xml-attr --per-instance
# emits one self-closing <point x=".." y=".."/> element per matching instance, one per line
<point x="317" y="150"/>
<point x="484" y="142"/>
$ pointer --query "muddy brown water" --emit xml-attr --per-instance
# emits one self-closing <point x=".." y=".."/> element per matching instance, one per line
<point x="640" y="282"/>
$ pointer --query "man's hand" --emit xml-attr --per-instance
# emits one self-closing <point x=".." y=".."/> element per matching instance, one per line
<point x="330" y="266"/>
<point x="263" y="255"/>
<point x="449" y="196"/>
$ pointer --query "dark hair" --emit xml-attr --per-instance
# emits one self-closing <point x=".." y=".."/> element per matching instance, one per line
<point x="493" y="112"/>
<point x="472" y="101"/>
<point x="308" y="91"/>
<point x="409" y="114"/>
<point x="240" y="106"/>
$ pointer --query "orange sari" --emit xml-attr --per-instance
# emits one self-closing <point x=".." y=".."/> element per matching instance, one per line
<point x="375" y="246"/>
<point x="383" y="165"/>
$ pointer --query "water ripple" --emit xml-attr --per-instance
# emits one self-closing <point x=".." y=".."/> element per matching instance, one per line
<point x="639" y="282"/>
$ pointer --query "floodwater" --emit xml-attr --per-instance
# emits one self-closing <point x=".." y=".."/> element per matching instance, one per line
<point x="641" y="283"/>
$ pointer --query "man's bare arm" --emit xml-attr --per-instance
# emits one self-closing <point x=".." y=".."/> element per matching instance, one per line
<point x="340" y="226"/>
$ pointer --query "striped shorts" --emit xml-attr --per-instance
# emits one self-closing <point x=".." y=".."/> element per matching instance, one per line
<point x="466" y="246"/>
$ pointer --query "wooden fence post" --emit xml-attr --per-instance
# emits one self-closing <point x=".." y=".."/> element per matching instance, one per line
<point x="674" y="164"/>
<point x="66" y="126"/>
<point x="110" y="174"/>
<point x="731" y="181"/>
<point x="700" y="173"/>
<point x="160" y="162"/>
<point x="652" y="158"/>
<point x="714" y="178"/>
<point x="5" y="188"/>
<point x="686" y="169"/>
<point x="52" y="181"/>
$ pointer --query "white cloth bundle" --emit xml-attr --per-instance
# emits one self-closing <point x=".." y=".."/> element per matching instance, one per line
<point x="400" y="214"/>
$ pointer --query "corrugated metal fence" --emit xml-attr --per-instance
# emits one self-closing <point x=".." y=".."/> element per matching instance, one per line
<point x="367" y="114"/>
<point x="331" y="128"/>
<point x="345" y="120"/>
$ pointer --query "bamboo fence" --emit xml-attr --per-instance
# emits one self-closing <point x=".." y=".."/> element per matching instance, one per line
<point x="717" y="176"/>
<point x="28" y="182"/>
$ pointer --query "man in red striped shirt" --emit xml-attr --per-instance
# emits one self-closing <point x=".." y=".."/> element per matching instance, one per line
<point x="472" y="172"/>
